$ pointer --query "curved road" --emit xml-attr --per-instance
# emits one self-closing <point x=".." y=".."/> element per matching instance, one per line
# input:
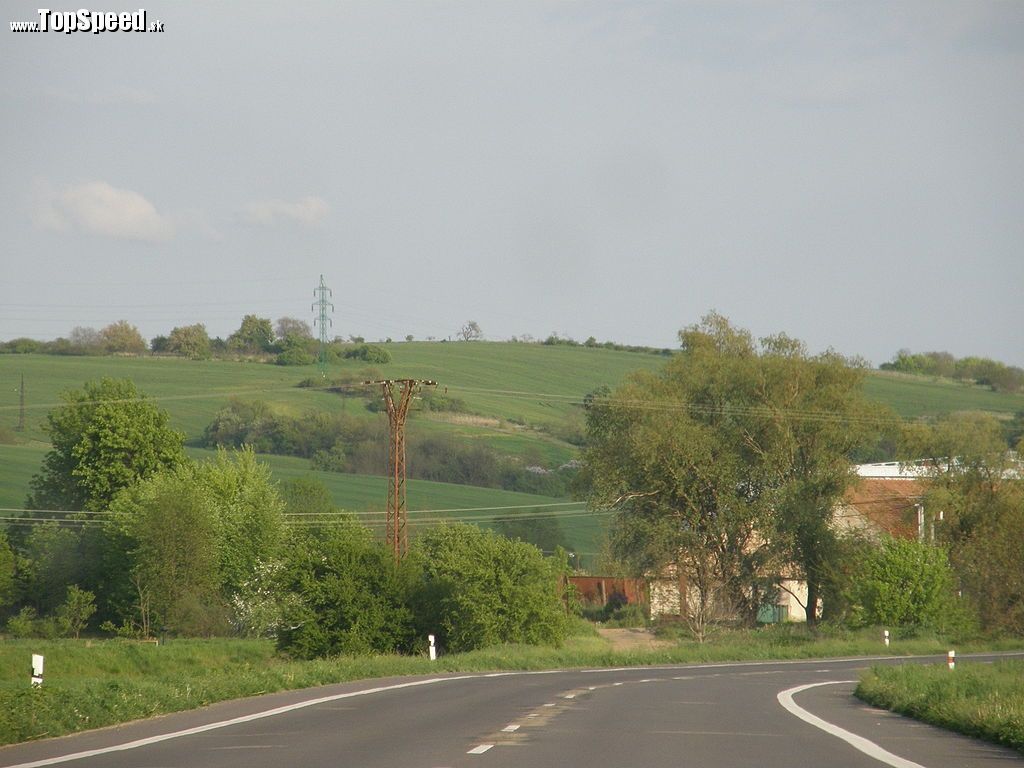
<point x="768" y="714"/>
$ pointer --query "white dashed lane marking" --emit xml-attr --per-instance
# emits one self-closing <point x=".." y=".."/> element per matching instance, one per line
<point x="480" y="749"/>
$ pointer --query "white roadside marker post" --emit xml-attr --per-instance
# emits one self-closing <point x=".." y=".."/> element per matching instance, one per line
<point x="951" y="659"/>
<point x="433" y="649"/>
<point x="887" y="638"/>
<point x="37" y="670"/>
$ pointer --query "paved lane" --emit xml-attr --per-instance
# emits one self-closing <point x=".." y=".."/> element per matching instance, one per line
<point x="699" y="715"/>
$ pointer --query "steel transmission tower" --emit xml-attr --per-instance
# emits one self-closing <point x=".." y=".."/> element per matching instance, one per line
<point x="397" y="534"/>
<point x="322" y="321"/>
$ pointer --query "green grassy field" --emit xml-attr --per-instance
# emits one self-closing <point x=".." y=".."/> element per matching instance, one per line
<point x="983" y="700"/>
<point x="913" y="396"/>
<point x="527" y="383"/>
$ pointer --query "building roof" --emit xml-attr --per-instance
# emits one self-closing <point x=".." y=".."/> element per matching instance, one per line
<point x="882" y="504"/>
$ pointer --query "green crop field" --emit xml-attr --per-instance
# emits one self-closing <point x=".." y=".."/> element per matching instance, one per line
<point x="523" y="400"/>
<point x="525" y="383"/>
<point x="913" y="396"/>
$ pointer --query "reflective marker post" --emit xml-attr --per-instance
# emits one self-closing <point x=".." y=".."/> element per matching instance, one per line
<point x="37" y="670"/>
<point x="433" y="650"/>
<point x="951" y="659"/>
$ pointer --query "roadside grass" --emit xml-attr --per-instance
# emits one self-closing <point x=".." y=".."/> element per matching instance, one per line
<point x="982" y="700"/>
<point x="95" y="683"/>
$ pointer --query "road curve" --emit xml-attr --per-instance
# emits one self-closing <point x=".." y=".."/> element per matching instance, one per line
<point x="706" y="715"/>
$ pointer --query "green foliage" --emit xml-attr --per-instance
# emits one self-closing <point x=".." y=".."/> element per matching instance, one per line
<point x="442" y="402"/>
<point x="481" y="589"/>
<point x="196" y="537"/>
<point x="74" y="614"/>
<point x="295" y="355"/>
<point x="21" y="346"/>
<point x="971" y="481"/>
<point x="349" y="595"/>
<point x="980" y="370"/>
<point x="106" y="437"/>
<point x="170" y="528"/>
<point x="191" y="341"/>
<point x="370" y="353"/>
<point x="718" y="464"/>
<point x="255" y="335"/>
<point x="249" y="512"/>
<point x="905" y="583"/>
<point x="51" y="561"/>
<point x="981" y="700"/>
<point x="122" y="337"/>
<point x="7" y="566"/>
<point x="25" y="624"/>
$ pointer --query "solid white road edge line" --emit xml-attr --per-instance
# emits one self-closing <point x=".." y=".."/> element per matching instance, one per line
<point x="869" y="748"/>
<point x="233" y="721"/>
<point x="314" y="702"/>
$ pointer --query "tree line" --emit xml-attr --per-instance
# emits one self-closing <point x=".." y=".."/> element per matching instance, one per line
<point x="978" y="370"/>
<point x="130" y="536"/>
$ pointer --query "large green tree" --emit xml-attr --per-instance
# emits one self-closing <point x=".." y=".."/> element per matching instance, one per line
<point x="191" y="341"/>
<point x="182" y="545"/>
<point x="254" y="335"/>
<point x="105" y="437"/>
<point x="727" y="462"/>
<point x="163" y="560"/>
<point x="122" y="336"/>
<point x="817" y="419"/>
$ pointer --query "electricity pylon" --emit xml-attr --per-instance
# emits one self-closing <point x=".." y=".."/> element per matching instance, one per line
<point x="397" y="534"/>
<point x="323" y="321"/>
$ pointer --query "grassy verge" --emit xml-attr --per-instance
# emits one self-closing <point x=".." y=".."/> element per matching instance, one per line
<point x="90" y="684"/>
<point x="983" y="700"/>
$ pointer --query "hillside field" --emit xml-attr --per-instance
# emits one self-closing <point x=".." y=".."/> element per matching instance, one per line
<point x="522" y="400"/>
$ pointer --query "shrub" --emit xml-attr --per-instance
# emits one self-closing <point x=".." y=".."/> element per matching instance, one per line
<point x="905" y="583"/>
<point x="482" y="589"/>
<point x="77" y="609"/>
<point x="349" y="595"/>
<point x="295" y="356"/>
<point x="369" y="353"/>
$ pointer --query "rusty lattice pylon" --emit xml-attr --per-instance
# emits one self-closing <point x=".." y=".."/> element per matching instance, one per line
<point x="397" y="534"/>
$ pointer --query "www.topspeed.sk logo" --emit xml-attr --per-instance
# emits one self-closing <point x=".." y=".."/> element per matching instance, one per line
<point x="84" y="20"/>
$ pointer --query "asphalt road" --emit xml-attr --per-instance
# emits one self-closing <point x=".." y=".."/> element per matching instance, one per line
<point x="772" y="714"/>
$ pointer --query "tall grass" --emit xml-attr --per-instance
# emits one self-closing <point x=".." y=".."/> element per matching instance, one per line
<point x="983" y="700"/>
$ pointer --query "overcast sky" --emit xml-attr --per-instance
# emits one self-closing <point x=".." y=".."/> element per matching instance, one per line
<point x="849" y="173"/>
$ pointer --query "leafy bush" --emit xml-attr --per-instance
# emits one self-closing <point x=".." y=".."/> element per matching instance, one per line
<point x="482" y="589"/>
<point x="370" y="353"/>
<point x="295" y="356"/>
<point x="905" y="583"/>
<point x="350" y="597"/>
<point x="77" y="609"/>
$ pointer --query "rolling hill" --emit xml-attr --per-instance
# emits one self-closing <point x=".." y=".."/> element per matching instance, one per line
<point x="521" y="399"/>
